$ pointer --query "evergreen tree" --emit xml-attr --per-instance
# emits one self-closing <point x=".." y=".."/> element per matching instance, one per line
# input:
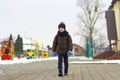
<point x="18" y="45"/>
<point x="10" y="39"/>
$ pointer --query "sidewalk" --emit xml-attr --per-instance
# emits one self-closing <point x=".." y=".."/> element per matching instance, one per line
<point x="47" y="70"/>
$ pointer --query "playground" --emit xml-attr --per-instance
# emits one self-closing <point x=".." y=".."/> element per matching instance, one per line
<point x="7" y="52"/>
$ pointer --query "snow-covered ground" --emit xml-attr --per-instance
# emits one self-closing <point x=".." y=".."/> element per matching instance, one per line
<point x="80" y="60"/>
<point x="84" y="60"/>
<point x="24" y="60"/>
<point x="96" y="62"/>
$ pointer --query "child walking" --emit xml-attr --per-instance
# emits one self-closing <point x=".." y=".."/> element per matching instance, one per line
<point x="62" y="44"/>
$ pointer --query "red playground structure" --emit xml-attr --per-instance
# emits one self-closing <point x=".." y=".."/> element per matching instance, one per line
<point x="6" y="50"/>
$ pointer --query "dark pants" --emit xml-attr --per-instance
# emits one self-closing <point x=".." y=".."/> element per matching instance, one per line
<point x="61" y="58"/>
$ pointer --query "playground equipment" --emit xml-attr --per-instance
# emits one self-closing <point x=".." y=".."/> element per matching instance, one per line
<point x="44" y="54"/>
<point x="30" y="54"/>
<point x="7" y="50"/>
<point x="36" y="51"/>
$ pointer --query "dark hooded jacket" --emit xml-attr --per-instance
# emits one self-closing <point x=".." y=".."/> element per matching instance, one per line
<point x="62" y="43"/>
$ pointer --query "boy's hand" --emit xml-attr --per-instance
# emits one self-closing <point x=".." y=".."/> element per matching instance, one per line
<point x="69" y="53"/>
<point x="54" y="53"/>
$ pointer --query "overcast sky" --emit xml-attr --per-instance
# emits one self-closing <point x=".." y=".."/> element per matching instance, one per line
<point x="38" y="19"/>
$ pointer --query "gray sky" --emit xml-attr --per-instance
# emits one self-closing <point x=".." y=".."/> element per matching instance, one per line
<point x="38" y="19"/>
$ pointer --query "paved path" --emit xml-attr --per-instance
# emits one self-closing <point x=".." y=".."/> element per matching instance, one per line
<point x="47" y="70"/>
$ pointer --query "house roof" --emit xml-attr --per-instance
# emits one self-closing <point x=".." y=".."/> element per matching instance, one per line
<point x="77" y="45"/>
<point x="112" y="3"/>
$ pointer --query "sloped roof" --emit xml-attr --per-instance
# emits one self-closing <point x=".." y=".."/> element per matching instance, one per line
<point x="112" y="3"/>
<point x="77" y="45"/>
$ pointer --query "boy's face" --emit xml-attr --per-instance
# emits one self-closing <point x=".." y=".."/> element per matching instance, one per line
<point x="61" y="29"/>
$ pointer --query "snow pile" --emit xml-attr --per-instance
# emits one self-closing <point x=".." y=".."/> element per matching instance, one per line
<point x="24" y="60"/>
<point x="96" y="62"/>
<point x="80" y="60"/>
<point x="84" y="60"/>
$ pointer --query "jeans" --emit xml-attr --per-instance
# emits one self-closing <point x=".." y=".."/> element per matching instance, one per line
<point x="61" y="58"/>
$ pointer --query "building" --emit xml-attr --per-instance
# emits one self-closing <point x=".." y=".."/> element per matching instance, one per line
<point x="113" y="25"/>
<point x="113" y="29"/>
<point x="78" y="50"/>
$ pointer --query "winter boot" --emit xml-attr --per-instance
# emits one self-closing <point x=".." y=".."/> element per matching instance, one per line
<point x="60" y="74"/>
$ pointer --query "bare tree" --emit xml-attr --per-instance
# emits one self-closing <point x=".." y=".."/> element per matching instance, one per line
<point x="100" y="41"/>
<point x="90" y="13"/>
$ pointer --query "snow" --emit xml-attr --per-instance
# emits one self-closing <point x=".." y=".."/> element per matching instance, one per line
<point x="24" y="60"/>
<point x="96" y="62"/>
<point x="84" y="60"/>
<point x="80" y="60"/>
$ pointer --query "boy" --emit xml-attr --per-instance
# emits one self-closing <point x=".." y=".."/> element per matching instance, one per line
<point x="62" y="44"/>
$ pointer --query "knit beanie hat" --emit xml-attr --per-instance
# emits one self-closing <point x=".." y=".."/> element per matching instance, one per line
<point x="61" y="25"/>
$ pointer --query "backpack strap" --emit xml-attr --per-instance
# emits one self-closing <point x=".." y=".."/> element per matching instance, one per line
<point x="56" y="37"/>
<point x="68" y="36"/>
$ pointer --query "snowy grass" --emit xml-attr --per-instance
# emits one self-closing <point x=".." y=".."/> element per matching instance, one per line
<point x="96" y="62"/>
<point x="24" y="60"/>
<point x="84" y="60"/>
<point x="80" y="60"/>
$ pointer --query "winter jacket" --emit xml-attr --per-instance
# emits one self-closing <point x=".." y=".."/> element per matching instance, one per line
<point x="62" y="45"/>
